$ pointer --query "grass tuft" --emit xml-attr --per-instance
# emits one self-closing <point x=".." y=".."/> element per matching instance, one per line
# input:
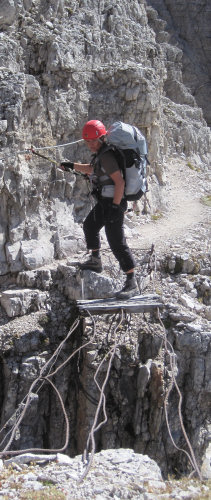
<point x="206" y="200"/>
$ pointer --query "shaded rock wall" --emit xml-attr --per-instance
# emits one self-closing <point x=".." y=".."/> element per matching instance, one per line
<point x="186" y="25"/>
<point x="140" y="376"/>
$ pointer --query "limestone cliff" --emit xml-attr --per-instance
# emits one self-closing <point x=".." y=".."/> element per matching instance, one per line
<point x="61" y="63"/>
<point x="186" y="25"/>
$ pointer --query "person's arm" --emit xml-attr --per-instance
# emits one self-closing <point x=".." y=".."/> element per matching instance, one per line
<point x="84" y="168"/>
<point x="119" y="186"/>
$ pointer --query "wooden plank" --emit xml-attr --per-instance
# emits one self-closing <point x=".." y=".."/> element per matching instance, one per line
<point x="137" y="304"/>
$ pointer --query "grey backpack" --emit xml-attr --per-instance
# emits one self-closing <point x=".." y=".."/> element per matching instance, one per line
<point x="127" y="137"/>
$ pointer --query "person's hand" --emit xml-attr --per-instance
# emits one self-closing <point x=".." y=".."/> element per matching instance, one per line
<point x="115" y="213"/>
<point x="67" y="165"/>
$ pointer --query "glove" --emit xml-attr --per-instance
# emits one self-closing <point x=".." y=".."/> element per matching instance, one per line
<point x="115" y="213"/>
<point x="67" y="165"/>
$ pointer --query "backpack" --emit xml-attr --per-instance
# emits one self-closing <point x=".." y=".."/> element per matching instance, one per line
<point x="124" y="140"/>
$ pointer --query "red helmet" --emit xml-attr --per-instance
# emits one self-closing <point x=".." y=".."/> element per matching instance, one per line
<point x="93" y="130"/>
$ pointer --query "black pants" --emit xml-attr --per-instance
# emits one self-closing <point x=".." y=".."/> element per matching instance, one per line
<point x="99" y="217"/>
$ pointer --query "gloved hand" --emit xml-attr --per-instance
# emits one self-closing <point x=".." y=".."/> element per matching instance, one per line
<point x="115" y="213"/>
<point x="67" y="165"/>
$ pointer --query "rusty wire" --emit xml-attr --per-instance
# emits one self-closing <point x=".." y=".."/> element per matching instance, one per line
<point x="173" y="382"/>
<point x="102" y="402"/>
<point x="47" y="378"/>
<point x="27" y="397"/>
<point x="102" y="399"/>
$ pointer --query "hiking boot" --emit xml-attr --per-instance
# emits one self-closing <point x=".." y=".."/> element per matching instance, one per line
<point x="92" y="264"/>
<point x="129" y="290"/>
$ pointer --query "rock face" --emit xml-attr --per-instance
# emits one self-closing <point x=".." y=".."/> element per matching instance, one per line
<point x="114" y="473"/>
<point x="38" y="340"/>
<point x="187" y="27"/>
<point x="122" y="473"/>
<point x="61" y="64"/>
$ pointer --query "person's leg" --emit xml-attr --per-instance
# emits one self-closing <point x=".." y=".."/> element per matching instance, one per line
<point x="130" y="287"/>
<point x="92" y="225"/>
<point x="117" y="242"/>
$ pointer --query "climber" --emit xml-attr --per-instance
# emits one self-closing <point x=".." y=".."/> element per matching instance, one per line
<point x="108" y="190"/>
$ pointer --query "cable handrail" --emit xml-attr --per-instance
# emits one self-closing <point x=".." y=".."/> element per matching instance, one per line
<point x="28" y="150"/>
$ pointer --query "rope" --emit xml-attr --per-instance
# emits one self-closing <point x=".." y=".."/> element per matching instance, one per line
<point x="45" y="157"/>
<point x="79" y="174"/>
<point x="173" y="382"/>
<point x="152" y="266"/>
<point x="102" y="400"/>
<point x="29" y="150"/>
<point x="172" y="357"/>
<point x="42" y="377"/>
<point x="19" y="420"/>
<point x="53" y="359"/>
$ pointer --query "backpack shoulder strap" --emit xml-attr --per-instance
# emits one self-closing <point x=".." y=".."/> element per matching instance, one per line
<point x="135" y="133"/>
<point x="105" y="147"/>
<point x="118" y="153"/>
